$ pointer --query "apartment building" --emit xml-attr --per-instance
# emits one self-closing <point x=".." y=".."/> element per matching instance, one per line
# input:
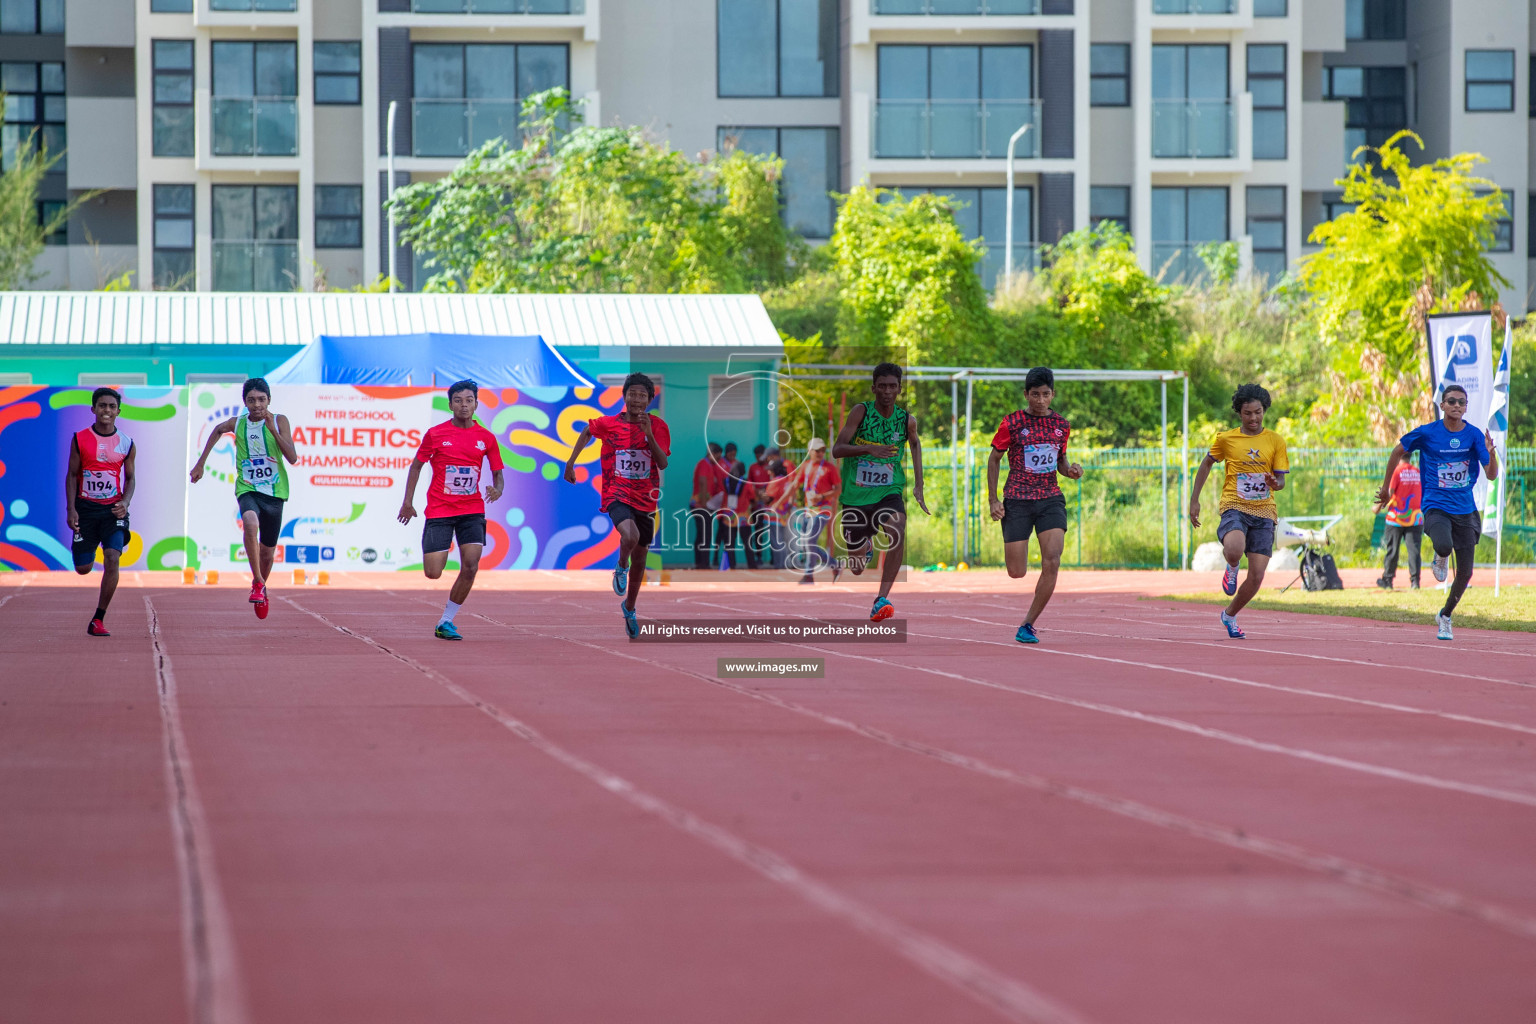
<point x="243" y="144"/>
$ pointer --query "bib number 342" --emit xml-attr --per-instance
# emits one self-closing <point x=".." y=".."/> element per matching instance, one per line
<point x="1252" y="486"/>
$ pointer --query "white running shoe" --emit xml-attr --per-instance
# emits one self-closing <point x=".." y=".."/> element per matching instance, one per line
<point x="1444" y="624"/>
<point x="1441" y="567"/>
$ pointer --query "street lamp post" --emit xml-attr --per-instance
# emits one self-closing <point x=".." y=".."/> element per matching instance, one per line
<point x="1008" y="232"/>
<point x="389" y="153"/>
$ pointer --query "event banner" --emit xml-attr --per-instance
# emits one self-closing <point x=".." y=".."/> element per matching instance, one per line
<point x="355" y="446"/>
<point x="1461" y="352"/>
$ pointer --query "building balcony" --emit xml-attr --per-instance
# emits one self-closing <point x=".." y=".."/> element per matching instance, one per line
<point x="943" y="8"/>
<point x="246" y="13"/>
<point x="256" y="266"/>
<point x="1194" y="6"/>
<point x="259" y="6"/>
<point x="454" y="128"/>
<point x="255" y="126"/>
<point x="953" y="129"/>
<point x="917" y="20"/>
<point x="580" y="17"/>
<point x="1189" y="15"/>
<point x="524" y="7"/>
<point x="1178" y="262"/>
<point x="1203" y="135"/>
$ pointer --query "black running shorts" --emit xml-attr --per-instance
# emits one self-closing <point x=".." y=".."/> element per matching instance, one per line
<point x="99" y="528"/>
<point x="439" y="534"/>
<point x="861" y="522"/>
<point x="645" y="522"/>
<point x="1022" y="516"/>
<point x="269" y="515"/>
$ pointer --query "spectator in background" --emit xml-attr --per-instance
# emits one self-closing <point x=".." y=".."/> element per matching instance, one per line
<point x="821" y="483"/>
<point x="1405" y="521"/>
<point x="758" y="475"/>
<point x="779" y="497"/>
<point x="706" y="499"/>
<point x="735" y="514"/>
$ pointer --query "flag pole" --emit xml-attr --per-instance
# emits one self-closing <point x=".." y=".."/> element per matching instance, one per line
<point x="1498" y="541"/>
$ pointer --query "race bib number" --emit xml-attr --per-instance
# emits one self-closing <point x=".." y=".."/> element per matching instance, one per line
<point x="1454" y="476"/>
<point x="632" y="463"/>
<point x="874" y="474"/>
<point x="98" y="484"/>
<point x="1252" y="487"/>
<point x="461" y="481"/>
<point x="259" y="471"/>
<point x="1040" y="458"/>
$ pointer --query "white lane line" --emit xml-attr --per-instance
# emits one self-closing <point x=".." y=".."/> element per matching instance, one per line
<point x="1221" y="735"/>
<point x="15" y="593"/>
<point x="215" y="994"/>
<point x="1008" y="997"/>
<point x="1341" y="869"/>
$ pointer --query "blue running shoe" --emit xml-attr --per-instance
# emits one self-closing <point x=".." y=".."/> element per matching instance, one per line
<point x="1026" y="634"/>
<point x="1229" y="581"/>
<point x="620" y="580"/>
<point x="1233" y="631"/>
<point x="631" y="624"/>
<point x="883" y="609"/>
<point x="447" y="631"/>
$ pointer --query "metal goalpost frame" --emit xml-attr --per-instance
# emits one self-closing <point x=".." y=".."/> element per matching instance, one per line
<point x="992" y="374"/>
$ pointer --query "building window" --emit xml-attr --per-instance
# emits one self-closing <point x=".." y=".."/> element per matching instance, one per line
<point x="1531" y="100"/>
<point x="811" y="164"/>
<point x="253" y="5"/>
<point x="1184" y="219"/>
<point x="1530" y="225"/>
<point x="1375" y="106"/>
<point x="1269" y="8"/>
<point x="1490" y="80"/>
<point x="1335" y="207"/>
<point x="338" y="216"/>
<point x="1266" y="226"/>
<point x="173" y="111"/>
<point x="1192" y="113"/>
<point x="175" y="240"/>
<point x="1266" y="81"/>
<point x="1375" y="19"/>
<point x="1504" y="227"/>
<point x="469" y="94"/>
<point x="338" y="73"/>
<point x="981" y="216"/>
<point x="170" y="6"/>
<point x="955" y="101"/>
<point x="34" y="110"/>
<point x="1109" y="82"/>
<point x="255" y="99"/>
<point x="1110" y="203"/>
<point x="776" y="47"/>
<point x="47" y="210"/>
<point x="255" y="238"/>
<point x="32" y="17"/>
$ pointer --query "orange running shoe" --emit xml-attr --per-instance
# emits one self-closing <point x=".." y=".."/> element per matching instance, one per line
<point x="883" y="609"/>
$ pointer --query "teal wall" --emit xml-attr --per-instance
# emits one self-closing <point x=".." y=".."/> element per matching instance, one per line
<point x="61" y="366"/>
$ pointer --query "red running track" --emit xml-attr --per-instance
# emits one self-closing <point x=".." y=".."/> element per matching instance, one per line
<point x="332" y="817"/>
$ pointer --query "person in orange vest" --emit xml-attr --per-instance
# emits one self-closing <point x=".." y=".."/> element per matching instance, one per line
<point x="1405" y="521"/>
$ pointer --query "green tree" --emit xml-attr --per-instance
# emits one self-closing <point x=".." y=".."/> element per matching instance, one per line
<point x="22" y="233"/>
<point x="1415" y="242"/>
<point x="577" y="208"/>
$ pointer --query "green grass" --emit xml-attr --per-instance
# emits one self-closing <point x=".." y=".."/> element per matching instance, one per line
<point x="1514" y="609"/>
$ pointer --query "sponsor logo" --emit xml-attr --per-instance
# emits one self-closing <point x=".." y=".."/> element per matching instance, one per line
<point x="1253" y="453"/>
<point x="447" y="444"/>
<point x="480" y="445"/>
<point x="369" y="556"/>
<point x="1455" y="442"/>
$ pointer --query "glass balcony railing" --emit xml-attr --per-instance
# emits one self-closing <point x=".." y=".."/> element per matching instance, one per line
<point x="253" y="5"/>
<point x="1026" y="259"/>
<point x="455" y="127"/>
<point x="1178" y="262"/>
<point x="1200" y="129"/>
<point x="498" y="6"/>
<point x="250" y="266"/>
<point x="939" y="8"/>
<point x="1194" y="6"/>
<point x="259" y="126"/>
<point x="955" y="129"/>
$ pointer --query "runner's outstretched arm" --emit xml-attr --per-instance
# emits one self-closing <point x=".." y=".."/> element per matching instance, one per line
<point x="1492" y="469"/>
<point x="214" y="435"/>
<point x="1384" y="495"/>
<point x="498" y="484"/>
<point x="570" y="463"/>
<point x="658" y="456"/>
<point x="1195" y="488"/>
<point x="284" y="435"/>
<point x="843" y="447"/>
<point x="916" y="444"/>
<point x="130" y="481"/>
<point x="994" y="462"/>
<point x="408" y="506"/>
<point x="72" y="485"/>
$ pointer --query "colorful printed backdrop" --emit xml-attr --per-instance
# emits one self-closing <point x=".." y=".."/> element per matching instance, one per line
<point x="355" y="446"/>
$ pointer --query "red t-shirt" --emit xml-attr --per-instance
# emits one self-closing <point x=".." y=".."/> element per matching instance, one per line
<point x="1407" y="493"/>
<point x="1036" y="447"/>
<point x="822" y="483"/>
<point x="455" y="454"/>
<point x="630" y="474"/>
<point x="708" y="481"/>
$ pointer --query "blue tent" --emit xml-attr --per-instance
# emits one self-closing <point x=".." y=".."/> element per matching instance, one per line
<point x="424" y="360"/>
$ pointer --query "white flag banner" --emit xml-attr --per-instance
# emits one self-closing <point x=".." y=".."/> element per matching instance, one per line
<point x="1461" y="352"/>
<point x="1489" y="498"/>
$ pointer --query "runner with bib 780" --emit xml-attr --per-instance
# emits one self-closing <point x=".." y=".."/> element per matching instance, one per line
<point x="263" y="440"/>
<point x="874" y="485"/>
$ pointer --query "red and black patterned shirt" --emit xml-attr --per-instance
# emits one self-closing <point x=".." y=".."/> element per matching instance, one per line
<point x="1036" y="446"/>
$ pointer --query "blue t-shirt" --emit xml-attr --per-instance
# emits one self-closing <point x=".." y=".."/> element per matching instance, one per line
<point x="1449" y="464"/>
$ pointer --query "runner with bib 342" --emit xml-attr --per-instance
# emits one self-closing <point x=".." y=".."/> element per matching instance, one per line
<point x="263" y="440"/>
<point x="874" y="485"/>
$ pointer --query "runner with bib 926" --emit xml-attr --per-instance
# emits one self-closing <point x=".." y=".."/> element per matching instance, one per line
<point x="98" y="485"/>
<point x="456" y="449"/>
<point x="1256" y="464"/>
<point x="263" y="440"/>
<point x="635" y="447"/>
<point x="1035" y="441"/>
<point x="1450" y="455"/>
<point x="873" y="482"/>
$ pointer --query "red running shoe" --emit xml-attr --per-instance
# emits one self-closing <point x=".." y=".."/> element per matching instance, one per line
<point x="262" y="607"/>
<point x="258" y="593"/>
<point x="97" y="628"/>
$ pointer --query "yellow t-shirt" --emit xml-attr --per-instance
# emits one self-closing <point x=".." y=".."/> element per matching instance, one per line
<point x="1248" y="458"/>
